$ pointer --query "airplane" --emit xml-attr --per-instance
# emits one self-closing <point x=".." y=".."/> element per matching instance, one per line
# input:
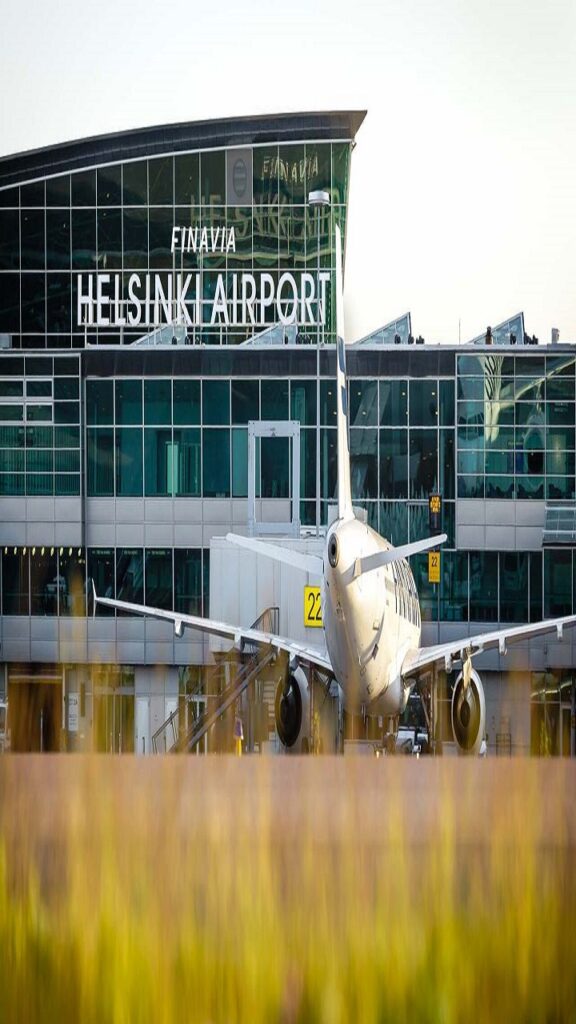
<point x="371" y="613"/>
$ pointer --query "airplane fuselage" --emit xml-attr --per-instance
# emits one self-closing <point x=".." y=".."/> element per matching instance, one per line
<point x="371" y="620"/>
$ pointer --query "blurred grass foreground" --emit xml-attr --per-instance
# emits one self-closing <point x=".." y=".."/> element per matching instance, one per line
<point x="279" y="889"/>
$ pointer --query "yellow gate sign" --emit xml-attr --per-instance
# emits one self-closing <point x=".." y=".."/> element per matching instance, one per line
<point x="312" y="606"/>
<point x="434" y="567"/>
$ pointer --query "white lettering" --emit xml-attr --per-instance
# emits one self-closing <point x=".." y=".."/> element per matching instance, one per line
<point x="85" y="301"/>
<point x="175" y="233"/>
<point x="290" y="316"/>
<point x="231" y="243"/>
<point x="118" y="301"/>
<point x="133" y="283"/>
<point x="102" y="300"/>
<point x="162" y="299"/>
<point x="182" y="314"/>
<point x="219" y="306"/>
<point x="306" y="298"/>
<point x="248" y="299"/>
<point x="266" y="295"/>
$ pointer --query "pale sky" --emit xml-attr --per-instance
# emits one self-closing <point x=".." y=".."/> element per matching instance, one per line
<point x="463" y="195"/>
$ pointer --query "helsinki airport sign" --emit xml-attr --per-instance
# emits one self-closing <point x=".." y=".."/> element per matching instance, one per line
<point x="240" y="299"/>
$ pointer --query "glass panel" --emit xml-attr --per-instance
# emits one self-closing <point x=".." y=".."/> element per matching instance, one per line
<point x="213" y="178"/>
<point x="66" y="388"/>
<point x="303" y="401"/>
<point x="99" y="402"/>
<point x="186" y="463"/>
<point x="447" y="483"/>
<point x="446" y="403"/>
<point x="513" y="586"/>
<point x="239" y="463"/>
<point x="328" y="414"/>
<point x="454" y="586"/>
<point x="423" y="403"/>
<point x="363" y="402"/>
<point x="135" y="184"/>
<point x="9" y="240"/>
<point x="110" y="238"/>
<point x="292" y="173"/>
<point x="535" y="586"/>
<point x="364" y="462"/>
<point x="101" y="572"/>
<point x="394" y="403"/>
<point x="44" y="583"/>
<point x="529" y="487"/>
<point x="72" y="582"/>
<point x="84" y="239"/>
<point x="84" y="188"/>
<point x="161" y="222"/>
<point x="245" y="405"/>
<point x="157" y="401"/>
<point x="423" y="462"/>
<point x="340" y="162"/>
<point x="158" y="461"/>
<point x="128" y="462"/>
<point x="483" y="586"/>
<point x="129" y="575"/>
<point x="275" y="467"/>
<point x="470" y="486"/>
<point x="39" y="483"/>
<point x="32" y="240"/>
<point x="394" y="463"/>
<point x="135" y="235"/>
<point x="110" y="186"/>
<point x="499" y="487"/>
<point x="216" y="463"/>
<point x="159" y="578"/>
<point x="186" y="402"/>
<point x="9" y="306"/>
<point x="557" y="583"/>
<point x="216" y="402"/>
<point x="128" y="401"/>
<point x="328" y="463"/>
<point x="15" y="583"/>
<point x="394" y="521"/>
<point x="188" y="580"/>
<point x="58" y="191"/>
<point x="58" y="239"/>
<point x="186" y="172"/>
<point x="161" y="181"/>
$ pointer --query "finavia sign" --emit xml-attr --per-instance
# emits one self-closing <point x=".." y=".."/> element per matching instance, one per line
<point x="239" y="299"/>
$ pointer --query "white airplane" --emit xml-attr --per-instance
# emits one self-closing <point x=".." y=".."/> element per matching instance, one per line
<point x="371" y="614"/>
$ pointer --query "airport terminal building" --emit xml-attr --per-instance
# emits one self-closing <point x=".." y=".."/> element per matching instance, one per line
<point x="167" y="375"/>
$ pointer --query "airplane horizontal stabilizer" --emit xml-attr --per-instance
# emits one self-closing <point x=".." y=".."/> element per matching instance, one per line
<point x="297" y="559"/>
<point x="371" y="562"/>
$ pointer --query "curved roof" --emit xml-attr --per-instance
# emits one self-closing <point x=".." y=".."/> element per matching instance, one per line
<point x="173" y="138"/>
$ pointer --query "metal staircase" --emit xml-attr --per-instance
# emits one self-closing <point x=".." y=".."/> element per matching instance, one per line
<point x="169" y="738"/>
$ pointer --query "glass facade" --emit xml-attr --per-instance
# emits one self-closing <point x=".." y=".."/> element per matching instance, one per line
<point x="516" y="427"/>
<point x="212" y="214"/>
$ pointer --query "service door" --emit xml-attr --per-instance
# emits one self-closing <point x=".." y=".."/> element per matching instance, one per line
<point x="142" y="725"/>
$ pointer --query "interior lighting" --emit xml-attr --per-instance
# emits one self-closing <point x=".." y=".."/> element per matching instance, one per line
<point x="42" y="551"/>
<point x="51" y="551"/>
<point x="70" y="552"/>
<point x="61" y="551"/>
<point x="33" y="552"/>
<point x="15" y="551"/>
<point x="24" y="550"/>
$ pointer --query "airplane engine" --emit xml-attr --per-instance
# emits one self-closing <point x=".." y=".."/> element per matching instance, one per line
<point x="292" y="708"/>
<point x="468" y="713"/>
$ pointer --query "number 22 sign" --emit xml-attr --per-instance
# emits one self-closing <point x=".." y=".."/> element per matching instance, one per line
<point x="312" y="606"/>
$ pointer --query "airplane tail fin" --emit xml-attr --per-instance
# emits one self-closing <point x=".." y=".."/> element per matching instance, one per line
<point x="344" y="487"/>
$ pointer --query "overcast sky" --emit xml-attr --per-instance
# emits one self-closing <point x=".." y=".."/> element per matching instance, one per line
<point x="463" y="195"/>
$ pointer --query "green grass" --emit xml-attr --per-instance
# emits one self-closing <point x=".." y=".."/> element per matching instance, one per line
<point x="216" y="889"/>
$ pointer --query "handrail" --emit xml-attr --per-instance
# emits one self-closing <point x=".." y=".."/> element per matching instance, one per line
<point x="172" y="718"/>
<point x="241" y="681"/>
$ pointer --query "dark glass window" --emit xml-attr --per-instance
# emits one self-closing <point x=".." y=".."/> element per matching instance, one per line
<point x="274" y="467"/>
<point x="100" y="462"/>
<point x="158" y="566"/>
<point x="328" y="413"/>
<point x="135" y="238"/>
<point x="514" y="586"/>
<point x="318" y="163"/>
<point x="72" y="582"/>
<point x="15" y="583"/>
<point x="394" y="521"/>
<point x="101" y="573"/>
<point x="110" y="239"/>
<point x="128" y="462"/>
<point x="186" y="463"/>
<point x="84" y="188"/>
<point x="213" y="178"/>
<point x="245" y="405"/>
<point x="446" y="403"/>
<point x="303" y="401"/>
<point x="33" y="194"/>
<point x="216" y="463"/>
<point x="423" y="462"/>
<point x="158" y="461"/>
<point x="447" y="475"/>
<point x="483" y="586"/>
<point x="364" y="463"/>
<point x="188" y="580"/>
<point x="161" y="181"/>
<point x="130" y="575"/>
<point x="363" y="403"/>
<point x="110" y="186"/>
<point x="394" y="463"/>
<point x="128" y="402"/>
<point x="32" y="240"/>
<point x="161" y="224"/>
<point x="216" y="402"/>
<point x="136" y="183"/>
<point x="186" y="402"/>
<point x="186" y="173"/>
<point x="58" y="303"/>
<point x="66" y="387"/>
<point x="557" y="582"/>
<point x="535" y="586"/>
<point x="394" y="403"/>
<point x="58" y="191"/>
<point x="454" y="586"/>
<point x="10" y="304"/>
<point x="157" y="401"/>
<point x="239" y="462"/>
<point x="9" y="197"/>
<point x="9" y="240"/>
<point x="328" y="463"/>
<point x="292" y="174"/>
<point x="33" y="302"/>
<point x="58" y="239"/>
<point x="340" y="162"/>
<point x="84" y="239"/>
<point x="423" y="403"/>
<point x="44" y="583"/>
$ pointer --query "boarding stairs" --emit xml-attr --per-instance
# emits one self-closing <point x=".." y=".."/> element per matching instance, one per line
<point x="169" y="739"/>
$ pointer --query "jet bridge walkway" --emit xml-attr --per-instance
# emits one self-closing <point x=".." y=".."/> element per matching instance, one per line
<point x="169" y="739"/>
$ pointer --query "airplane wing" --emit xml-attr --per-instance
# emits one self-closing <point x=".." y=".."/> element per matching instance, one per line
<point x="316" y="656"/>
<point x="468" y="646"/>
